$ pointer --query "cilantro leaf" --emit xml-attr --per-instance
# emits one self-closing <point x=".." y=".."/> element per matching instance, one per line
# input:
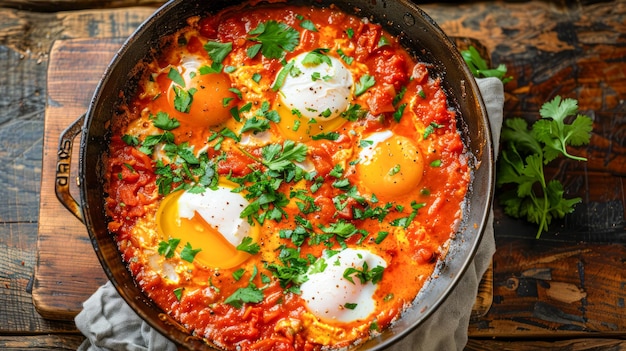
<point x="526" y="149"/>
<point x="130" y="140"/>
<point x="178" y="293"/>
<point x="218" y="51"/>
<point x="188" y="253"/>
<point x="277" y="157"/>
<point x="364" y="274"/>
<point x="556" y="134"/>
<point x="255" y="124"/>
<point x="309" y="25"/>
<point x="478" y="66"/>
<point x="183" y="98"/>
<point x="329" y="136"/>
<point x="167" y="248"/>
<point x="163" y="121"/>
<point x="244" y="295"/>
<point x="275" y="38"/>
<point x="365" y="82"/>
<point x="248" y="245"/>
<point x="316" y="57"/>
<point x="175" y="76"/>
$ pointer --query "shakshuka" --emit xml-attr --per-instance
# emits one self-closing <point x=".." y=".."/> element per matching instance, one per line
<point x="284" y="178"/>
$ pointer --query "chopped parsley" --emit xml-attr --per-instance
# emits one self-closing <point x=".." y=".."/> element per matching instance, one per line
<point x="248" y="245"/>
<point x="365" y="82"/>
<point x="350" y="305"/>
<point x="175" y="76"/>
<point x="292" y="269"/>
<point x="364" y="275"/>
<point x="244" y="295"/>
<point x="168" y="248"/>
<point x="183" y="98"/>
<point x="347" y="59"/>
<point x="218" y="51"/>
<point x="188" y="253"/>
<point x="316" y="57"/>
<point x="395" y="170"/>
<point x="430" y="129"/>
<point x="273" y="38"/>
<point x="178" y="293"/>
<point x="308" y="25"/>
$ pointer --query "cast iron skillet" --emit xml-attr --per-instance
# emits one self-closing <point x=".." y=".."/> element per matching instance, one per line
<point x="418" y="33"/>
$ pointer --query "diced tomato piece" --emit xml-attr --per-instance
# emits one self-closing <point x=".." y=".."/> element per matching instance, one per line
<point x="381" y="99"/>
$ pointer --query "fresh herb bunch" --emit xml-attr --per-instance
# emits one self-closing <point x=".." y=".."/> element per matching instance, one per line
<point x="479" y="66"/>
<point x="525" y="150"/>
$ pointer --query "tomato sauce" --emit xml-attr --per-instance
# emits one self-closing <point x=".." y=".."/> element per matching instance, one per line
<point x="330" y="196"/>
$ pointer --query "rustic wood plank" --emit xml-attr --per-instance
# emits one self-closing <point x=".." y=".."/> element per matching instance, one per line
<point x="22" y="101"/>
<point x="584" y="344"/>
<point x="541" y="290"/>
<point x="41" y="342"/>
<point x="31" y="34"/>
<point x="66" y="5"/>
<point x="71" y="82"/>
<point x="17" y="313"/>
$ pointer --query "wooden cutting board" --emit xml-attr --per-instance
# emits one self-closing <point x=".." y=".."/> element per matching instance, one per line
<point x="67" y="270"/>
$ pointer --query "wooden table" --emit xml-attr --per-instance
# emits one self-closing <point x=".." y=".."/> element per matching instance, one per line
<point x="566" y="289"/>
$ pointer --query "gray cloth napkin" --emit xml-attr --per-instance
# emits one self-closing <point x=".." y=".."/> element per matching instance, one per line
<point x="109" y="323"/>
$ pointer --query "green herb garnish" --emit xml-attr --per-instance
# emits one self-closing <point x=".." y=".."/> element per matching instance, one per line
<point x="479" y="67"/>
<point x="365" y="82"/>
<point x="188" y="253"/>
<point x="244" y="295"/>
<point x="167" y="248"/>
<point x="274" y="39"/>
<point x="525" y="152"/>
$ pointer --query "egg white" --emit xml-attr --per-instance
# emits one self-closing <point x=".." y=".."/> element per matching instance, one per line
<point x="326" y="293"/>
<point x="221" y="208"/>
<point x="311" y="97"/>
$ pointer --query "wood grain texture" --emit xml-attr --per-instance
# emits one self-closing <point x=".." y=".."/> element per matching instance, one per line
<point x="66" y="5"/>
<point x="545" y="290"/>
<point x="22" y="102"/>
<point x="68" y="271"/>
<point x="41" y="342"/>
<point x="583" y="344"/>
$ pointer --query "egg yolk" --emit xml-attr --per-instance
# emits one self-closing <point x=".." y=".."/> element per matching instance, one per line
<point x="296" y="127"/>
<point x="215" y="250"/>
<point x="210" y="95"/>
<point x="393" y="167"/>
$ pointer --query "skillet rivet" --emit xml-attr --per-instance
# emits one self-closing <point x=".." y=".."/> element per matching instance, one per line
<point x="409" y="20"/>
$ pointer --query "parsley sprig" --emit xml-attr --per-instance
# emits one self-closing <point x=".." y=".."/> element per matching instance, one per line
<point x="365" y="274"/>
<point x="274" y="39"/>
<point x="479" y="66"/>
<point x="526" y="151"/>
<point x="291" y="270"/>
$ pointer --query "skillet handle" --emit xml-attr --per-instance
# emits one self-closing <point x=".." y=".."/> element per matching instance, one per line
<point x="64" y="159"/>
